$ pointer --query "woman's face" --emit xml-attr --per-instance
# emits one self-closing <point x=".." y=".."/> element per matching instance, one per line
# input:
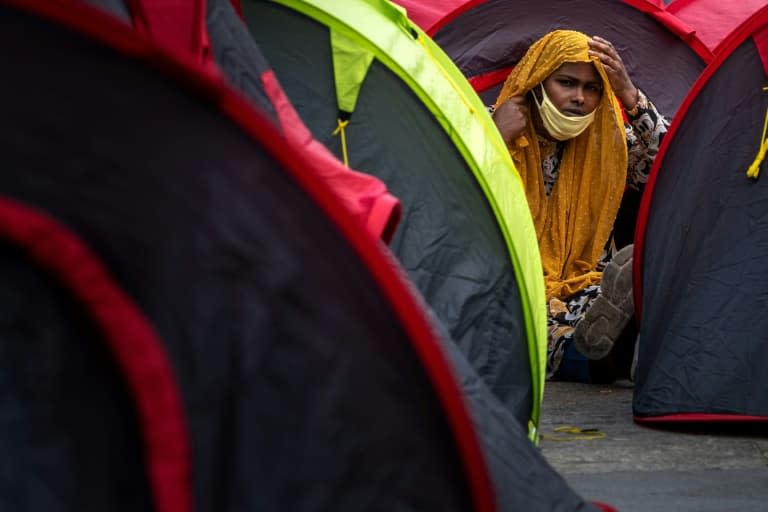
<point x="574" y="88"/>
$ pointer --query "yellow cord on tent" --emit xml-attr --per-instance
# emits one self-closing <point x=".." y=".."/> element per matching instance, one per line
<point x="340" y="132"/>
<point x="571" y="433"/>
<point x="754" y="170"/>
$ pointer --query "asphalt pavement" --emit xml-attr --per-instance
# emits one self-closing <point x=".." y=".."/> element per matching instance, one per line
<point x="589" y="437"/>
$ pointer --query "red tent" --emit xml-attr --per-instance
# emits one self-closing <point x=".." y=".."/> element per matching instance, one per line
<point x="713" y="20"/>
<point x="485" y="38"/>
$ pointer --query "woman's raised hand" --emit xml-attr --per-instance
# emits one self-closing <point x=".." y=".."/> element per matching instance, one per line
<point x="614" y="67"/>
<point x="511" y="118"/>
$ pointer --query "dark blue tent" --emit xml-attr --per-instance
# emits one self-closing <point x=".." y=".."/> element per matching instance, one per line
<point x="702" y="239"/>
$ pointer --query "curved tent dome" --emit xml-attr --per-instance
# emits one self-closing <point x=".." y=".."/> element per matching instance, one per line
<point x="466" y="237"/>
<point x="702" y="239"/>
<point x="486" y="39"/>
<point x="190" y="319"/>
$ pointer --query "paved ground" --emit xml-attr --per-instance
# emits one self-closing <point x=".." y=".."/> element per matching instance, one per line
<point x="637" y="468"/>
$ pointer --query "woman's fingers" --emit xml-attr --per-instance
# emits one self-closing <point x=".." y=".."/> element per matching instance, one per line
<point x="604" y="46"/>
<point x="614" y="68"/>
<point x="520" y="105"/>
<point x="605" y="51"/>
<point x="511" y="118"/>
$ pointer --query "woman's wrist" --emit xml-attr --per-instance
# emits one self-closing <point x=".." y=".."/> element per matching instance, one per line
<point x="632" y="102"/>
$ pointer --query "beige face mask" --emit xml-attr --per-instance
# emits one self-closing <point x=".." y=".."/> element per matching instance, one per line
<point x="560" y="126"/>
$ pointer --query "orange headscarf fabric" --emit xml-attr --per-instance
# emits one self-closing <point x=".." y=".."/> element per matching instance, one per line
<point x="574" y="222"/>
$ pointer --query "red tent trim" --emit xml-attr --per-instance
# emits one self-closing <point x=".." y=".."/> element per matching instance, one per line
<point x="714" y="20"/>
<point x="487" y="80"/>
<point x="755" y="24"/>
<point x="604" y="507"/>
<point x="452" y="15"/>
<point x="131" y="339"/>
<point x="675" y="25"/>
<point x="761" y="42"/>
<point x="695" y="417"/>
<point x="238" y="7"/>
<point x="178" y="24"/>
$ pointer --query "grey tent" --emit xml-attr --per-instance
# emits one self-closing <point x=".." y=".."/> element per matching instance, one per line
<point x="378" y="92"/>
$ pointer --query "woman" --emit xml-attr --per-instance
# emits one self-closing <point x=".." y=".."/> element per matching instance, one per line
<point x="560" y="116"/>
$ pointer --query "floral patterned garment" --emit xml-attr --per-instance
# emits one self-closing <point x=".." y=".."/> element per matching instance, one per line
<point x="645" y="131"/>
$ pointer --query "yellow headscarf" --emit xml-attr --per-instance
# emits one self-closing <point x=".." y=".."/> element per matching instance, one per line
<point x="572" y="224"/>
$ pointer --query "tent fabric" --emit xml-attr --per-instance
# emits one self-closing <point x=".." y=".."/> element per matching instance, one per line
<point x="677" y="26"/>
<point x="699" y="279"/>
<point x="116" y="7"/>
<point x="522" y="478"/>
<point x="363" y="195"/>
<point x="350" y="66"/>
<point x="431" y="15"/>
<point x="245" y="66"/>
<point x="713" y="20"/>
<point x="466" y="238"/>
<point x="29" y="236"/>
<point x="239" y="58"/>
<point x="175" y="24"/>
<point x="291" y="337"/>
<point x="489" y="37"/>
<point x="74" y="388"/>
<point x="220" y="39"/>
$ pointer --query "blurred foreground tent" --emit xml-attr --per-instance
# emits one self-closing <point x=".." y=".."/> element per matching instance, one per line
<point x="375" y="89"/>
<point x="192" y="321"/>
<point x="486" y="38"/>
<point x="701" y="282"/>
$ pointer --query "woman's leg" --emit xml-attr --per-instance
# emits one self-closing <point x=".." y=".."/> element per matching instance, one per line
<point x="564" y="362"/>
<point x="604" y="322"/>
